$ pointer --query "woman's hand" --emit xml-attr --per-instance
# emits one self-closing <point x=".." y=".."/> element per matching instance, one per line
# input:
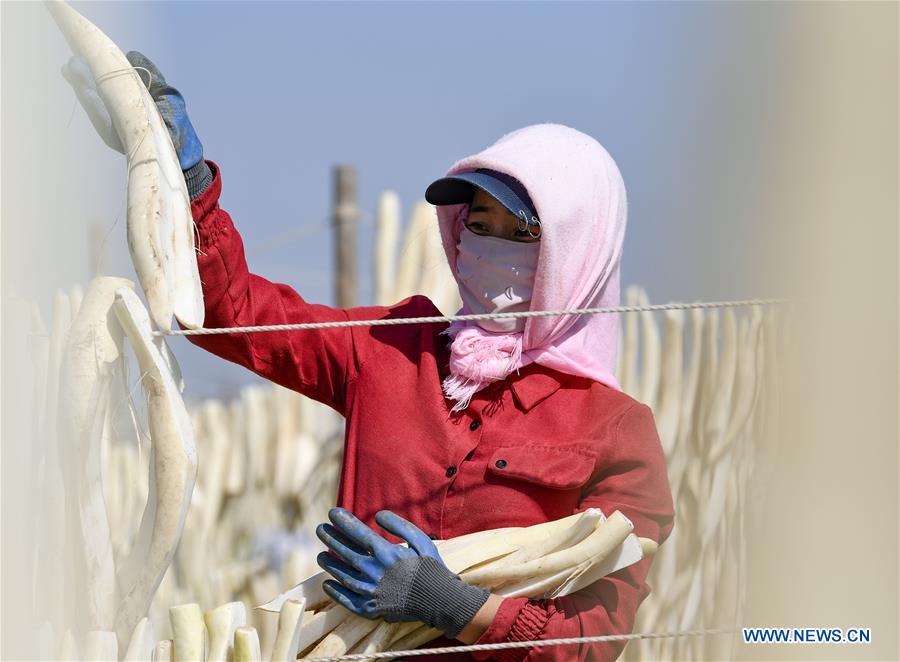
<point x="377" y="579"/>
<point x="170" y="103"/>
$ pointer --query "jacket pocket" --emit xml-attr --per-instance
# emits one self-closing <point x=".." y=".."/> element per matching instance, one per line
<point x="553" y="467"/>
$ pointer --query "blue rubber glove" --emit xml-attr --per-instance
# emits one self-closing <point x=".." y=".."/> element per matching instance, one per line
<point x="171" y="106"/>
<point x="377" y="579"/>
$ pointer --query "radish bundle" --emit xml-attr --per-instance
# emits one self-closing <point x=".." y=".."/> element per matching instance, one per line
<point x="545" y="560"/>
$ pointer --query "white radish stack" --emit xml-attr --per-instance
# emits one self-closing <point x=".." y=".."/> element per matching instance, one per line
<point x="160" y="226"/>
<point x="106" y="596"/>
<point x="92" y="352"/>
<point x="716" y="409"/>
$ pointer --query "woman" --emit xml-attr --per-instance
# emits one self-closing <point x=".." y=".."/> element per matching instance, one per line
<point x="471" y="426"/>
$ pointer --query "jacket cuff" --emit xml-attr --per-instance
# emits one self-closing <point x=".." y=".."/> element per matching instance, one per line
<point x="203" y="209"/>
<point x="198" y="178"/>
<point x="517" y="619"/>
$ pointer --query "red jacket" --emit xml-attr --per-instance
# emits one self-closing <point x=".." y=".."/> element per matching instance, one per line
<point x="538" y="446"/>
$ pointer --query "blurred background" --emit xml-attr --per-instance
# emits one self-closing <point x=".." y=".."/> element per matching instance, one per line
<point x="758" y="144"/>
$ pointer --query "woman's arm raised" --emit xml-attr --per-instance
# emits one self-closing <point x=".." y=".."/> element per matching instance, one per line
<point x="318" y="363"/>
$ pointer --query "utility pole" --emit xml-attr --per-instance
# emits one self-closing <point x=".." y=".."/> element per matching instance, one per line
<point x="345" y="216"/>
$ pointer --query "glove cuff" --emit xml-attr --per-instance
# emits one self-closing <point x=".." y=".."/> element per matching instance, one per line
<point x="435" y="595"/>
<point x="198" y="178"/>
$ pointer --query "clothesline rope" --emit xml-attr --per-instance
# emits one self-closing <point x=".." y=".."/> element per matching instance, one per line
<point x="521" y="644"/>
<point x="483" y="316"/>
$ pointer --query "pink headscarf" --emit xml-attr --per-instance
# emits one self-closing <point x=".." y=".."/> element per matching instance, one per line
<point x="579" y="195"/>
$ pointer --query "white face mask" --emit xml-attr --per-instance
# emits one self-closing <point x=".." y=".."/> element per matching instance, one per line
<point x="496" y="276"/>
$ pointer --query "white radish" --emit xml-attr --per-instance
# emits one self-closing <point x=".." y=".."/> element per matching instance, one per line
<point x="387" y="228"/>
<point x="650" y="358"/>
<point x="433" y="256"/>
<point x="668" y="412"/>
<point x="537" y="585"/>
<point x="236" y="478"/>
<point x="602" y="541"/>
<point x="378" y="640"/>
<point x="309" y="590"/>
<point x="143" y="642"/>
<point x="343" y="637"/>
<point x="320" y="624"/>
<point x="453" y="545"/>
<point x="189" y="632"/>
<point x="159" y="223"/>
<point x="68" y="649"/>
<point x="93" y="348"/>
<point x="44" y="641"/>
<point x="173" y="469"/>
<point x="164" y="651"/>
<point x="580" y="529"/>
<point x="404" y="629"/>
<point x="287" y="641"/>
<point x="627" y="371"/>
<point x="261" y="584"/>
<point x="214" y="420"/>
<point x="409" y="268"/>
<point x="76" y="296"/>
<point x="746" y="382"/>
<point x="716" y="419"/>
<point x="100" y="646"/>
<point x="500" y="545"/>
<point x="221" y="624"/>
<point x="631" y="549"/>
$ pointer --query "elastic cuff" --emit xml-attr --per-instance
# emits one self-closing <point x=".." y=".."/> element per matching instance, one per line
<point x="198" y="178"/>
<point x="450" y="602"/>
<point x="210" y="221"/>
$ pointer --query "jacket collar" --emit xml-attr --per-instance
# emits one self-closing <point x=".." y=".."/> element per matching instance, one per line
<point x="535" y="383"/>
